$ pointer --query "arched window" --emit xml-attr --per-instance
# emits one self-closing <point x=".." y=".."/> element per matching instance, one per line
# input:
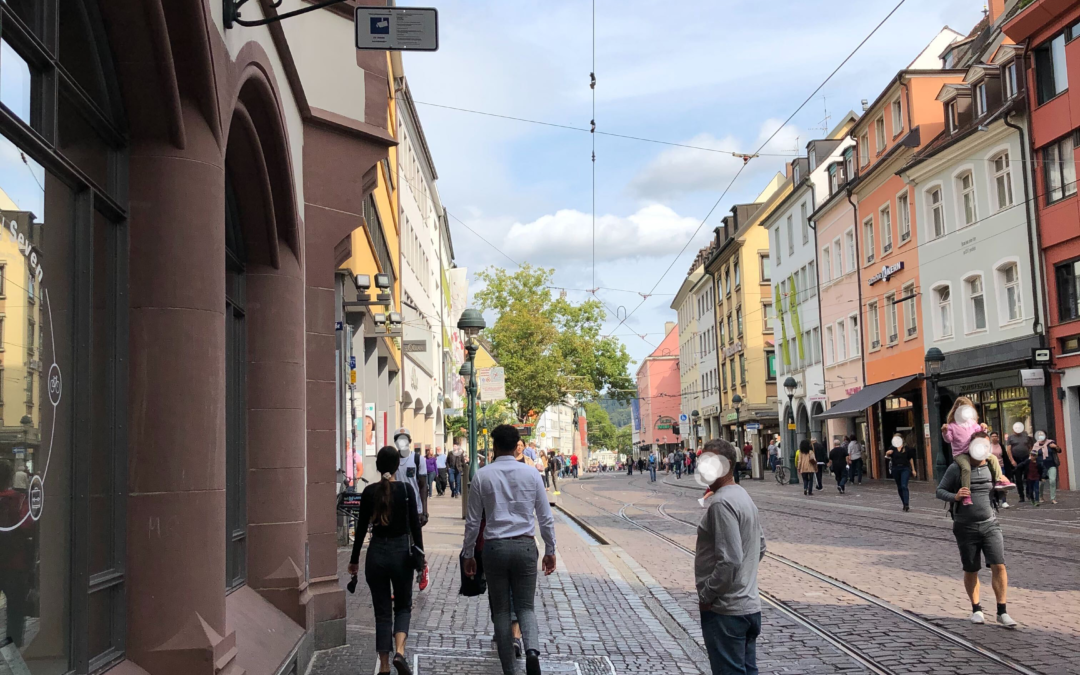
<point x="965" y="195"/>
<point x="1003" y="192"/>
<point x="943" y="321"/>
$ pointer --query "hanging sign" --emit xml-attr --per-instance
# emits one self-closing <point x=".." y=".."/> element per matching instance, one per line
<point x="1033" y="377"/>
<point x="886" y="272"/>
<point x="397" y="29"/>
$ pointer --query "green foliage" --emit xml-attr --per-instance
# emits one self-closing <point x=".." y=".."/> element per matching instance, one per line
<point x="457" y="425"/>
<point x="618" y="412"/>
<point x="600" y="429"/>
<point x="549" y="346"/>
<point x="624" y="440"/>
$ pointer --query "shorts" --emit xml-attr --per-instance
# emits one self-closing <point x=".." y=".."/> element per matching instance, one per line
<point x="978" y="541"/>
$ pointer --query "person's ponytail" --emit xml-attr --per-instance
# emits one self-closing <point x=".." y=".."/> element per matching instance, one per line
<point x="386" y="462"/>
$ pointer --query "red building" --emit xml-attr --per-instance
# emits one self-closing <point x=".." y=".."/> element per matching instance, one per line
<point x="659" y="394"/>
<point x="1051" y="62"/>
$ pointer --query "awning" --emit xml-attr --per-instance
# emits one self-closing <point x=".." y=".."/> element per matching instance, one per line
<point x="864" y="398"/>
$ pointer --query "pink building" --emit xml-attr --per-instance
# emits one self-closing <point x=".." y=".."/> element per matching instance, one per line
<point x="658" y="388"/>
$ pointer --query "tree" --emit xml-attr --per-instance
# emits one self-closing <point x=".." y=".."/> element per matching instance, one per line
<point x="601" y="431"/>
<point x="549" y="346"/>
<point x="456" y="426"/>
<point x="624" y="441"/>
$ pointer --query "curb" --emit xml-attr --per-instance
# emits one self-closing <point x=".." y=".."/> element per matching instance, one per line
<point x="583" y="525"/>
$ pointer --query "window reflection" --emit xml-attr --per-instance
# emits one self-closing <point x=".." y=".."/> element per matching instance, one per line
<point x="14" y="82"/>
<point x="35" y="432"/>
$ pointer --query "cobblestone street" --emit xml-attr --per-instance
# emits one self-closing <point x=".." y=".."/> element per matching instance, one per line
<point x="629" y="606"/>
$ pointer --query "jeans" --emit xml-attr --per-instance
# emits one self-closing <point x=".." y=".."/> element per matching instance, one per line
<point x="1033" y="491"/>
<point x="389" y="574"/>
<point x="1051" y="482"/>
<point x="808" y="482"/>
<point x="652" y="473"/>
<point x="510" y="567"/>
<point x="820" y="474"/>
<point x="455" y="484"/>
<point x="731" y="642"/>
<point x="678" y="470"/>
<point x="857" y="470"/>
<point x="902" y="476"/>
<point x="841" y="476"/>
<point x="554" y="481"/>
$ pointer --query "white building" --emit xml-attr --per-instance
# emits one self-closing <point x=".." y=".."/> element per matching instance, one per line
<point x="685" y="305"/>
<point x="555" y="429"/>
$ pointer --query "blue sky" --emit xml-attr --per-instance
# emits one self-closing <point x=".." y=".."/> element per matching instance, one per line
<point x="721" y="74"/>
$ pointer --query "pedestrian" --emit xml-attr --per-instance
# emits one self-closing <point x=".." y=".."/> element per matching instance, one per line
<point x="432" y="469"/>
<point x="855" y="452"/>
<point x="806" y="465"/>
<point x="1033" y="472"/>
<point x="1049" y="456"/>
<point x="976" y="530"/>
<point x="1005" y="462"/>
<point x="630" y="468"/>
<point x="542" y="464"/>
<point x="508" y="495"/>
<point x="747" y="451"/>
<point x="679" y="461"/>
<point x="962" y="422"/>
<point x="652" y="467"/>
<point x="390" y="506"/>
<point x="454" y="464"/>
<point x="774" y="453"/>
<point x="838" y="464"/>
<point x="730" y="546"/>
<point x="902" y="456"/>
<point x="553" y="469"/>
<point x="822" y="457"/>
<point x="412" y="470"/>
<point x="574" y="464"/>
<point x="16" y="553"/>
<point x="1019" y="444"/>
<point x="440" y="470"/>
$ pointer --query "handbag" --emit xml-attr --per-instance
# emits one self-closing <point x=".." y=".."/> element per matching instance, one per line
<point x="476" y="584"/>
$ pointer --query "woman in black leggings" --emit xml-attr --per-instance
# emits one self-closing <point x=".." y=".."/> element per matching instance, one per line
<point x="390" y="508"/>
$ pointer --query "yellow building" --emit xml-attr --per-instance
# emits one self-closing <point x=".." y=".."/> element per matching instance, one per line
<point x="21" y="336"/>
<point x="739" y="268"/>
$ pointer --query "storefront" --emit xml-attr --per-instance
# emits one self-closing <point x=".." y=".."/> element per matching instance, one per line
<point x="901" y="413"/>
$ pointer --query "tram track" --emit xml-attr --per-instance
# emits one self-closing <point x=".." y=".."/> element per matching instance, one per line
<point x="801" y="618"/>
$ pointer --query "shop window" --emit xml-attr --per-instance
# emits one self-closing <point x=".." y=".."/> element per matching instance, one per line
<point x="1051" y="76"/>
<point x="1067" y="276"/>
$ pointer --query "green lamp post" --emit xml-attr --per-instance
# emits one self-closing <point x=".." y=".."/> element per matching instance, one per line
<point x="790" y="385"/>
<point x="471" y="323"/>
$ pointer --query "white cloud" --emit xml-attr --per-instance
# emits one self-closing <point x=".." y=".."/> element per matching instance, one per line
<point x="653" y="231"/>
<point x="680" y="171"/>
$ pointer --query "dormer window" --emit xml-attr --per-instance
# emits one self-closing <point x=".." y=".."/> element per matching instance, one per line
<point x="834" y="181"/>
<point x="813" y="158"/>
<point x="980" y="99"/>
<point x="849" y="165"/>
<point x="795" y="172"/>
<point x="951" y="117"/>
<point x="1010" y="80"/>
<point x="948" y="60"/>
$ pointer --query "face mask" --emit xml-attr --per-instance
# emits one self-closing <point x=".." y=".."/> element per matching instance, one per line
<point x="897" y="442"/>
<point x="979" y="449"/>
<point x="1040" y="437"/>
<point x="710" y="467"/>
<point x="1018" y="428"/>
<point x="402" y="444"/>
<point x="965" y="413"/>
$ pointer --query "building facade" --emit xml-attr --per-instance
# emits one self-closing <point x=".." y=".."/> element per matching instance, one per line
<point x="658" y="385"/>
<point x="705" y="346"/>
<point x="181" y="238"/>
<point x="686" y="309"/>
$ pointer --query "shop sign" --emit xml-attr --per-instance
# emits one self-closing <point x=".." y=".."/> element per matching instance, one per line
<point x="972" y="387"/>
<point x="851" y="391"/>
<point x="414" y="346"/>
<point x="817" y="398"/>
<point x="710" y="410"/>
<point x="524" y="429"/>
<point x="886" y="272"/>
<point x="1040" y="356"/>
<point x="731" y="417"/>
<point x="733" y="349"/>
<point x="791" y="426"/>
<point x="1033" y="378"/>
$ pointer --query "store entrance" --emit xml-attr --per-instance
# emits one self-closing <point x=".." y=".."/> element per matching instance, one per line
<point x="902" y="414"/>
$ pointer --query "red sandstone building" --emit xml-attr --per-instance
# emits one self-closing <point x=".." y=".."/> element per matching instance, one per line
<point x="176" y="196"/>
<point x="659" y="395"/>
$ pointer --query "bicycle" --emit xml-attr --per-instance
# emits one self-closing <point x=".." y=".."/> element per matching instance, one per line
<point x="782" y="474"/>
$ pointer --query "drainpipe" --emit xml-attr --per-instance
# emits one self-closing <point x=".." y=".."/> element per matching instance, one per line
<point x="858" y="282"/>
<point x="1034" y="240"/>
<point x="821" y="328"/>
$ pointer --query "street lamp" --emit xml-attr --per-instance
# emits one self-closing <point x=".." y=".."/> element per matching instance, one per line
<point x="471" y="323"/>
<point x="790" y="385"/>
<point x="935" y="361"/>
<point x="736" y="401"/>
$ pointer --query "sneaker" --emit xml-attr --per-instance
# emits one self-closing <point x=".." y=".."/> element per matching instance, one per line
<point x="532" y="663"/>
<point x="1004" y="484"/>
<point x="966" y="502"/>
<point x="906" y="508"/>
<point x="1006" y="621"/>
<point x="977" y="617"/>
<point x="1036" y="504"/>
<point x="423" y="578"/>
<point x="1004" y="504"/>
<point x="519" y="648"/>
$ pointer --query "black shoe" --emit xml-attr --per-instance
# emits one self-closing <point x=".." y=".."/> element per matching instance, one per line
<point x="532" y="663"/>
<point x="804" y="492"/>
<point x="402" y="665"/>
<point x="906" y="508"/>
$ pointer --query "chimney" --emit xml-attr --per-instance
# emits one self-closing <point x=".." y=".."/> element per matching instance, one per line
<point x="668" y="327"/>
<point x="787" y="170"/>
<point x="996" y="9"/>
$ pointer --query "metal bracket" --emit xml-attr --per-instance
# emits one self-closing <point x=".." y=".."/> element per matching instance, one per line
<point x="231" y="12"/>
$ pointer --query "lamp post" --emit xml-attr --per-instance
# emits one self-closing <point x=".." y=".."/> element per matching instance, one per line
<point x="789" y="386"/>
<point x="935" y="361"/>
<point x="471" y="323"/>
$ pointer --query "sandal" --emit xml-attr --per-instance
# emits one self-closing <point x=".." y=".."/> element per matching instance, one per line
<point x="402" y="665"/>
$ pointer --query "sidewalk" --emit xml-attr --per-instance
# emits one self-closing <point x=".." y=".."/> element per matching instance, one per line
<point x="592" y="616"/>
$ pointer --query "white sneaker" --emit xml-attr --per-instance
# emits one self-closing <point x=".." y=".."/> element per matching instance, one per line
<point x="977" y="617"/>
<point x="1004" y="505"/>
<point x="1006" y="620"/>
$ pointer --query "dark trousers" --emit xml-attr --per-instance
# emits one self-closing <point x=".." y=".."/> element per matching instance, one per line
<point x="1033" y="491"/>
<point x="652" y="473"/>
<point x="857" y="470"/>
<point x="510" y="568"/>
<point x="389" y="574"/>
<point x="16" y="589"/>
<point x="841" y="476"/>
<point x="902" y="476"/>
<point x="808" y="482"/>
<point x="820" y="474"/>
<point x="731" y="642"/>
<point x="554" y="480"/>
<point x="440" y="481"/>
<point x="678" y="470"/>
<point x="455" y="482"/>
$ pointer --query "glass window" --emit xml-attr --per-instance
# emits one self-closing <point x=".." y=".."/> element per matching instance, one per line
<point x="849" y="246"/>
<point x="804" y="223"/>
<point x="965" y="186"/>
<point x="766" y="271"/>
<point x="944" y="311"/>
<point x="1067" y="276"/>
<point x="735" y="273"/>
<point x="738" y="320"/>
<point x="838" y="261"/>
<point x="937" y="213"/>
<point x="897" y="118"/>
<point x="841" y="341"/>
<point x="868" y="240"/>
<point x="864" y="150"/>
<point x="811" y="278"/>
<point x="767" y="317"/>
<point x="911" y="322"/>
<point x="903" y="217"/>
<point x="853" y="333"/>
<point x="1009" y="276"/>
<point x="770" y="365"/>
<point x="15" y="82"/>
<point x="874" y="321"/>
<point x="976" y="304"/>
<point x="742" y="369"/>
<point x="830" y="347"/>
<point x="1002" y="181"/>
<point x="790" y="236"/>
<point x="1051" y="77"/>
<point x="879" y="134"/>
<point x="1059" y="163"/>
<point x="951" y="117"/>
<point x="826" y="264"/>
<point x="980" y="99"/>
<point x="885" y="216"/>
<point x="890" y="318"/>
<point x="1010" y="80"/>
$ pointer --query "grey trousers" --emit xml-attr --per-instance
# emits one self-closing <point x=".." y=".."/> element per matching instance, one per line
<point x="510" y="567"/>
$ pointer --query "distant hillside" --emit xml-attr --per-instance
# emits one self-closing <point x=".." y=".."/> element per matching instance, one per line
<point x="618" y="412"/>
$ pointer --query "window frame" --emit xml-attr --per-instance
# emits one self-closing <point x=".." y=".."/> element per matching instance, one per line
<point x="970" y="324"/>
<point x="1002" y="286"/>
<point x="879" y="134"/>
<point x="764" y="268"/>
<point x="1004" y="176"/>
<point x="1009" y="75"/>
<point x="1073" y="293"/>
<point x="911" y="315"/>
<point x="945" y="306"/>
<point x="1065" y="185"/>
<point x="826" y="260"/>
<point x="841" y="341"/>
<point x="897" y="108"/>
<point x="903" y="217"/>
<point x="830" y="346"/>
<point x="980" y="99"/>
<point x="855" y="348"/>
<point x="873" y="320"/>
<point x="935" y="211"/>
<point x="838" y="262"/>
<point x="869" y="244"/>
<point x="892" y="326"/>
<point x="851" y="252"/>
<point x="952" y="117"/>
<point x="964" y="195"/>
<point x="885" y="225"/>
<point x="1050" y="47"/>
<point x="864" y="150"/>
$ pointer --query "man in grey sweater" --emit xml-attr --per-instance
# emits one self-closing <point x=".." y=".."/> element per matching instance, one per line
<point x="730" y="544"/>
<point x="976" y="529"/>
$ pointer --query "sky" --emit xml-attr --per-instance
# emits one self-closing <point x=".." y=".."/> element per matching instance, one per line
<point x="715" y="74"/>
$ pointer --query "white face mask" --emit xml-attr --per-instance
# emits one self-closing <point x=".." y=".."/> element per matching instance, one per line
<point x="710" y="467"/>
<point x="965" y="413"/>
<point x="1040" y="437"/>
<point x="897" y="442"/>
<point x="402" y="444"/>
<point x="979" y="449"/>
<point x="1018" y="428"/>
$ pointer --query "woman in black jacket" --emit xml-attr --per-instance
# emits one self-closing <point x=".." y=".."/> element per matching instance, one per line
<point x="390" y="508"/>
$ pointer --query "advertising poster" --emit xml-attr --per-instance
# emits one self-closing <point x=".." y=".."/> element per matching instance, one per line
<point x="370" y="444"/>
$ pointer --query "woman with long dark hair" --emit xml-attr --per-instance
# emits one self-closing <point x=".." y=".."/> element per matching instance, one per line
<point x="390" y="508"/>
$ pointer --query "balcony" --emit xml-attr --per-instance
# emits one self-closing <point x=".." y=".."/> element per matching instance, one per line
<point x="1037" y="15"/>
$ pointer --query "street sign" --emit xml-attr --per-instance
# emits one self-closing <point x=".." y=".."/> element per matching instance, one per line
<point x="492" y="383"/>
<point x="352" y="362"/>
<point x="791" y="426"/>
<point x="1040" y="357"/>
<point x="753" y="426"/>
<point x="339" y="325"/>
<point x="684" y="418"/>
<point x="396" y="29"/>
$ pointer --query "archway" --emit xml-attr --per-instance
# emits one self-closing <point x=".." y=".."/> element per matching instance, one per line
<point x="802" y="425"/>
<point x="821" y="427"/>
